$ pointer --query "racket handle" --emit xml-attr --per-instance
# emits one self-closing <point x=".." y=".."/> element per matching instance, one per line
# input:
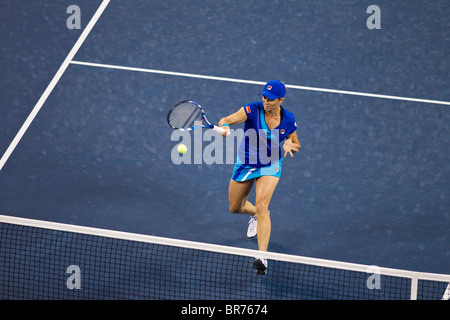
<point x="220" y="130"/>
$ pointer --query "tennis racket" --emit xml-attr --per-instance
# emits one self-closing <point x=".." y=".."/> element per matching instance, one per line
<point x="188" y="115"/>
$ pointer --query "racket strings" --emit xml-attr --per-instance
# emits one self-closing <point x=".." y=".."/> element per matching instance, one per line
<point x="184" y="115"/>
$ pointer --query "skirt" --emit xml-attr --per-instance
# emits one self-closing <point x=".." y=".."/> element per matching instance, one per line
<point x="244" y="172"/>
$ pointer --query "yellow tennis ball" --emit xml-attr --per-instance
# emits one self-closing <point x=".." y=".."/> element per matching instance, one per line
<point x="181" y="148"/>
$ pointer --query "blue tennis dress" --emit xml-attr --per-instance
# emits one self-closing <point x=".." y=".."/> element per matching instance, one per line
<point x="260" y="153"/>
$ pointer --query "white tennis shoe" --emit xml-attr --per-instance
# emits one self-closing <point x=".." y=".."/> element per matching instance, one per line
<point x="252" y="224"/>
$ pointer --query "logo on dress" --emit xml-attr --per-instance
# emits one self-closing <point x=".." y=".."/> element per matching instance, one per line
<point x="282" y="131"/>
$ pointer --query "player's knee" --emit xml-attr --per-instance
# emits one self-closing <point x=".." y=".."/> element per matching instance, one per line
<point x="261" y="208"/>
<point x="234" y="208"/>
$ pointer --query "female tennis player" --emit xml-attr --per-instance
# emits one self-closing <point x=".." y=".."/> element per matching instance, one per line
<point x="259" y="159"/>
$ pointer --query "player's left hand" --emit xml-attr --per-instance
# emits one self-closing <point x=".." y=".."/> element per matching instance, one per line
<point x="290" y="147"/>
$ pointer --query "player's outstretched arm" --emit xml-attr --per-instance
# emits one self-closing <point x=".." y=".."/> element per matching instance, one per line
<point x="234" y="118"/>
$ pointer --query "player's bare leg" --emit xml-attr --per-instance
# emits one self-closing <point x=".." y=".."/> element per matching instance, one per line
<point x="237" y="196"/>
<point x="265" y="187"/>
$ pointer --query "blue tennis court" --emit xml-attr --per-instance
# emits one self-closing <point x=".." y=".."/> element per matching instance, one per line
<point x="92" y="147"/>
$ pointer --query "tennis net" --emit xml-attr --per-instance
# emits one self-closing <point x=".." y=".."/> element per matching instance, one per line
<point x="46" y="260"/>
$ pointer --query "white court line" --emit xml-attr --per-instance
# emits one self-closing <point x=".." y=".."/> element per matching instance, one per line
<point x="52" y="84"/>
<point x="199" y="76"/>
